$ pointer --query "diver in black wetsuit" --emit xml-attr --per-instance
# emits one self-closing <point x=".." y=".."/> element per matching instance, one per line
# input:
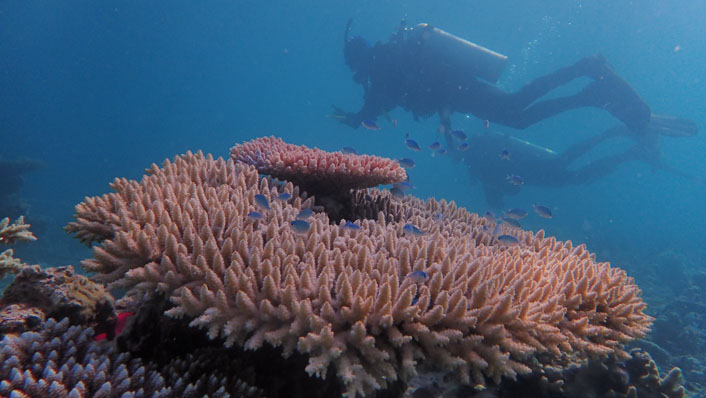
<point x="426" y="71"/>
<point x="540" y="166"/>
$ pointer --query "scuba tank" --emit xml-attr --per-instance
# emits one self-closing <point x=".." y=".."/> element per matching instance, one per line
<point x="454" y="52"/>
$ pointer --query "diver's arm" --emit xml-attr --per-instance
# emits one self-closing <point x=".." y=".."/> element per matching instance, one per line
<point x="445" y="121"/>
<point x="371" y="110"/>
<point x="580" y="148"/>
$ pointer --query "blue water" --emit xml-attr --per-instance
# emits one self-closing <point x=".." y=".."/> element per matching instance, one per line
<point x="98" y="90"/>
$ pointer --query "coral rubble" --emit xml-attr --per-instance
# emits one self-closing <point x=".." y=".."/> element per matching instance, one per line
<point x="57" y="293"/>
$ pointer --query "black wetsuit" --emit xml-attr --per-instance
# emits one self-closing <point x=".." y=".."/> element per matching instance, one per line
<point x="544" y="168"/>
<point x="398" y="76"/>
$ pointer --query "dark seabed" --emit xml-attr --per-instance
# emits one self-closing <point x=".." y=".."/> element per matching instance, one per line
<point x="94" y="91"/>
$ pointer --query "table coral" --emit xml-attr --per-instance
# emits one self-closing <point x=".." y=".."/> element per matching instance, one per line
<point x="342" y="297"/>
<point x="315" y="170"/>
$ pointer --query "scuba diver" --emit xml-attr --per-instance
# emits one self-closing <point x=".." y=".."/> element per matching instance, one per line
<point x="491" y="157"/>
<point x="427" y="71"/>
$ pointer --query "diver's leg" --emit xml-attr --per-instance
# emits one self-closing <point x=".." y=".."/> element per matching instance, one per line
<point x="609" y="91"/>
<point x="517" y="109"/>
<point x="601" y="168"/>
<point x="645" y="152"/>
<point x="578" y="149"/>
<point x="595" y="67"/>
<point x="489" y="102"/>
<point x="615" y="95"/>
<point x="523" y="118"/>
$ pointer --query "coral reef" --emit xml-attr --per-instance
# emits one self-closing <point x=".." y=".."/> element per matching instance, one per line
<point x="330" y="176"/>
<point x="18" y="318"/>
<point x="678" y="337"/>
<point x="58" y="293"/>
<point x="158" y="339"/>
<point x="637" y="376"/>
<point x="17" y="231"/>
<point x="9" y="265"/>
<point x="9" y="234"/>
<point x="63" y="361"/>
<point x="485" y="312"/>
<point x="314" y="170"/>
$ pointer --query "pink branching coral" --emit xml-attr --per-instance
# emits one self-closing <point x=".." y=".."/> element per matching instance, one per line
<point x="314" y="170"/>
<point x="344" y="296"/>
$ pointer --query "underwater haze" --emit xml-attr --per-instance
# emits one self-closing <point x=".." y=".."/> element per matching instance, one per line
<point x="99" y="90"/>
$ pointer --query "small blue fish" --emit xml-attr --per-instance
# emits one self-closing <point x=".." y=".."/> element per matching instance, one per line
<point x="517" y="214"/>
<point x="441" y="151"/>
<point x="435" y="145"/>
<point x="254" y="215"/>
<point x="412" y="144"/>
<point x="490" y="216"/>
<point x="349" y="150"/>
<point x="505" y="154"/>
<point x="407" y="163"/>
<point x="508" y="240"/>
<point x="542" y="211"/>
<point x="283" y="197"/>
<point x="370" y="124"/>
<point x="262" y="202"/>
<point x="351" y="226"/>
<point x="514" y="179"/>
<point x="459" y="134"/>
<point x="301" y="227"/>
<point x="418" y="277"/>
<point x="463" y="147"/>
<point x="404" y="185"/>
<point x="397" y="193"/>
<point x="511" y="223"/>
<point x="304" y="214"/>
<point x="410" y="229"/>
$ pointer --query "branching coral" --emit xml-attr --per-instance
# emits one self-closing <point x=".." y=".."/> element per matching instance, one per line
<point x="62" y="361"/>
<point x="9" y="264"/>
<point x="317" y="171"/>
<point x="17" y="231"/>
<point x="9" y="234"/>
<point x="342" y="295"/>
<point x="332" y="177"/>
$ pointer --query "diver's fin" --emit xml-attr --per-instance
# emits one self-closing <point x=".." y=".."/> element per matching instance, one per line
<point x="672" y="126"/>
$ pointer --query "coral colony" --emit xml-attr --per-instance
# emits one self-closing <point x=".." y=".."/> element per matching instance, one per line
<point x="378" y="311"/>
